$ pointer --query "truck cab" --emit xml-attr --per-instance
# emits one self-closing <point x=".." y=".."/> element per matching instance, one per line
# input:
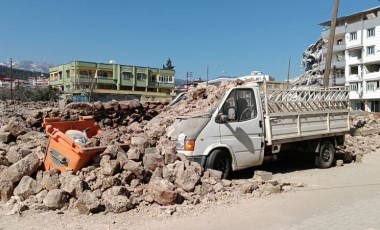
<point x="230" y="137"/>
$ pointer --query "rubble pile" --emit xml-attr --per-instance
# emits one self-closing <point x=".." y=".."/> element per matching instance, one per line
<point x="365" y="129"/>
<point x="117" y="181"/>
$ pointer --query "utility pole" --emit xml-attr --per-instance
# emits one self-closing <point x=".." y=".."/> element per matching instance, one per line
<point x="188" y="75"/>
<point x="11" y="75"/>
<point x="330" y="45"/>
<point x="207" y="77"/>
<point x="288" y="73"/>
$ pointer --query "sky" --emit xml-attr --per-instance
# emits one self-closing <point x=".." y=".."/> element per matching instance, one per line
<point x="231" y="38"/>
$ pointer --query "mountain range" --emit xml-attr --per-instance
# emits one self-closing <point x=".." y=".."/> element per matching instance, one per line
<point x="39" y="67"/>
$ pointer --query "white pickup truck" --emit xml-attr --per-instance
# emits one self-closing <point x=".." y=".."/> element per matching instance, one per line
<point x="249" y="124"/>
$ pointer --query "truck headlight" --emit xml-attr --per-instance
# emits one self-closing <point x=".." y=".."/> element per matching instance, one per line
<point x="181" y="141"/>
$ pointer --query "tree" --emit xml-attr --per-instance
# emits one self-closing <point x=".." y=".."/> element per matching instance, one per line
<point x="168" y="65"/>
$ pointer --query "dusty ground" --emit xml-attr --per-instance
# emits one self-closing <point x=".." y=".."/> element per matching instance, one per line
<point x="336" y="198"/>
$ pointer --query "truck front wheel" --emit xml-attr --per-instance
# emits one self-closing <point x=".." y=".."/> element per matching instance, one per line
<point x="221" y="161"/>
<point x="325" y="156"/>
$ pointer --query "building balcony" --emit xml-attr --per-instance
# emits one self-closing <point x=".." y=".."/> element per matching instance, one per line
<point x="128" y="82"/>
<point x="339" y="30"/>
<point x="338" y="64"/>
<point x="371" y="76"/>
<point x="371" y="58"/>
<point x="354" y="95"/>
<point x="371" y="94"/>
<point x="141" y="83"/>
<point x="337" y="79"/>
<point x="56" y="82"/>
<point x="85" y="79"/>
<point x="106" y="81"/>
<point x="153" y="84"/>
<point x="167" y="85"/>
<point x="336" y="48"/>
<point x="354" y="61"/>
<point x="353" y="77"/>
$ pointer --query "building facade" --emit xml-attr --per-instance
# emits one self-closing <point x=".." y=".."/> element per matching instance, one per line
<point x="356" y="55"/>
<point x="113" y="81"/>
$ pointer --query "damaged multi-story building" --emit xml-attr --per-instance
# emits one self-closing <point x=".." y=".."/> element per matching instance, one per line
<point x="356" y="56"/>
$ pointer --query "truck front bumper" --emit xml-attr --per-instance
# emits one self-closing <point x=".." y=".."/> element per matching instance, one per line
<point x="199" y="159"/>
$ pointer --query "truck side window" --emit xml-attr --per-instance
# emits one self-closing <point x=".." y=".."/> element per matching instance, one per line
<point x="246" y="104"/>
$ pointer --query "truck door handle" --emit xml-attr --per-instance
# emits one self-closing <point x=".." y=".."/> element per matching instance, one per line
<point x="261" y="123"/>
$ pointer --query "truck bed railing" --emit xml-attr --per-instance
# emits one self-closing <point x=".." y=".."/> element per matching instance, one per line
<point x="301" y="113"/>
<point x="305" y="100"/>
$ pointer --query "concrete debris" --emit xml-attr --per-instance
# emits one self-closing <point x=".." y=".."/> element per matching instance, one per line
<point x="27" y="187"/>
<point x="56" y="199"/>
<point x="263" y="176"/>
<point x="87" y="203"/>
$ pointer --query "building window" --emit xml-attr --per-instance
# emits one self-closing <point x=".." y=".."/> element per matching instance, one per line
<point x="375" y="106"/>
<point x="353" y="36"/>
<point x="166" y="79"/>
<point x="141" y="76"/>
<point x="371" y="85"/>
<point x="153" y="78"/>
<point x="83" y="73"/>
<point x="354" y="87"/>
<point x="127" y="75"/>
<point x="102" y="74"/>
<point x="371" y="32"/>
<point x="339" y="42"/>
<point x="370" y="50"/>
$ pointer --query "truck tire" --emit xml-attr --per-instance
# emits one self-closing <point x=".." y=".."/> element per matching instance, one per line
<point x="325" y="157"/>
<point x="221" y="161"/>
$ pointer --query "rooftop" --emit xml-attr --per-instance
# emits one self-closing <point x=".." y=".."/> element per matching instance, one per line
<point x="368" y="11"/>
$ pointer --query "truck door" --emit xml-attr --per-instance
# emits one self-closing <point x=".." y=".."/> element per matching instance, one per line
<point x="243" y="132"/>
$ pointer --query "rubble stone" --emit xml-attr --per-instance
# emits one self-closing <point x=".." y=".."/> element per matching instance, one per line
<point x="339" y="163"/>
<point x="50" y="180"/>
<point x="73" y="185"/>
<point x="163" y="192"/>
<point x="6" y="190"/>
<point x="187" y="179"/>
<point x="87" y="203"/>
<point x="27" y="187"/>
<point x="152" y="161"/>
<point x="15" y="153"/>
<point x="111" y="168"/>
<point x="56" y="199"/>
<point x="117" y="204"/>
<point x="24" y="167"/>
<point x="262" y="176"/>
<point x="134" y="154"/>
<point x="5" y="136"/>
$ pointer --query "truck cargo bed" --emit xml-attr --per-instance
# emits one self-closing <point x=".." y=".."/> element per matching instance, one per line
<point x="301" y="114"/>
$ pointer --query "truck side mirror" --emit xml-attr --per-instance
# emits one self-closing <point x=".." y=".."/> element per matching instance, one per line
<point x="221" y="118"/>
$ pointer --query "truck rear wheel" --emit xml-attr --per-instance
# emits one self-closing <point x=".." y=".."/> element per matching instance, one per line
<point x="221" y="161"/>
<point x="325" y="157"/>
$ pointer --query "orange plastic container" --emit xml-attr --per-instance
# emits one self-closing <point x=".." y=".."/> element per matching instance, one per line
<point x="62" y="152"/>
